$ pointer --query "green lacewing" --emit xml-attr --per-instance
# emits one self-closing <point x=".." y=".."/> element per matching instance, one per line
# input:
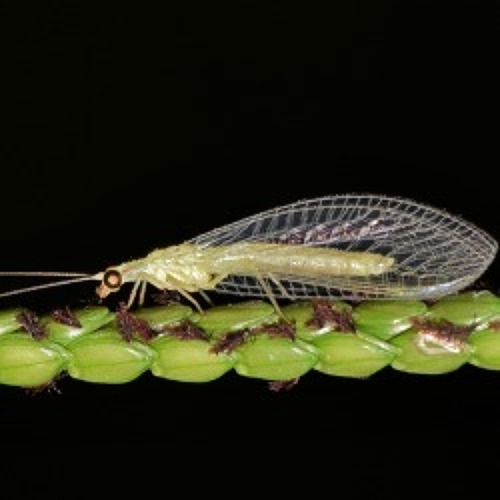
<point x="345" y="246"/>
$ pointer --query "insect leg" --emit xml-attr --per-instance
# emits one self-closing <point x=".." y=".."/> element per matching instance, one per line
<point x="133" y="293"/>
<point x="191" y="299"/>
<point x="142" y="293"/>
<point x="214" y="281"/>
<point x="171" y="286"/>
<point x="207" y="299"/>
<point x="282" y="289"/>
<point x="269" y="293"/>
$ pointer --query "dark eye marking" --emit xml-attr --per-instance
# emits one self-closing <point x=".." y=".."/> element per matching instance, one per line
<point x="112" y="279"/>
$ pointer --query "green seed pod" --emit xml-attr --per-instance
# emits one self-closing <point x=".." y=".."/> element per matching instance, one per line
<point x="161" y="316"/>
<point x="301" y="314"/>
<point x="471" y="308"/>
<point x="419" y="355"/>
<point x="25" y="362"/>
<point x="331" y="337"/>
<point x="485" y="347"/>
<point x="350" y="355"/>
<point x="188" y="360"/>
<point x="8" y="320"/>
<point x="104" y="357"/>
<point x="387" y="319"/>
<point x="223" y="319"/>
<point x="274" y="358"/>
<point x="90" y="319"/>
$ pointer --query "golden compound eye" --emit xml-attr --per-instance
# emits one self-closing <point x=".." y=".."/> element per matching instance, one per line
<point x="112" y="279"/>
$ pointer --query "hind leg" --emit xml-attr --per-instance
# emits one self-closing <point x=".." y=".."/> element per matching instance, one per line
<point x="269" y="293"/>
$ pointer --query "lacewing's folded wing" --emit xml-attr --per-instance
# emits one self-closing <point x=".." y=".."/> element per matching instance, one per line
<point x="434" y="253"/>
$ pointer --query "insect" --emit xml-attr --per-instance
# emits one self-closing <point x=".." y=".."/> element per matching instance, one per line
<point x="345" y="246"/>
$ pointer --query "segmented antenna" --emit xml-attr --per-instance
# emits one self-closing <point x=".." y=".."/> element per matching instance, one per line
<point x="41" y="274"/>
<point x="78" y="279"/>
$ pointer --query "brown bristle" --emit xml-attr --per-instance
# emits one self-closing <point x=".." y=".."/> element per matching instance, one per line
<point x="166" y="297"/>
<point x="443" y="330"/>
<point x="65" y="317"/>
<point x="325" y="314"/>
<point x="30" y="322"/>
<point x="282" y="328"/>
<point x="49" y="388"/>
<point x="230" y="341"/>
<point x="186" y="330"/>
<point x="283" y="385"/>
<point x="494" y="325"/>
<point x="129" y="325"/>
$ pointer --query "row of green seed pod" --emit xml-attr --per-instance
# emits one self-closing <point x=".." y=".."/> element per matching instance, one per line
<point x="174" y="342"/>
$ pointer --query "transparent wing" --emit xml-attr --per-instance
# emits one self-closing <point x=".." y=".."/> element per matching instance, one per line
<point x="435" y="253"/>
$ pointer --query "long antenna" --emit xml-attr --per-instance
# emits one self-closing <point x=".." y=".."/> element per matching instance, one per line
<point x="42" y="274"/>
<point x="49" y="285"/>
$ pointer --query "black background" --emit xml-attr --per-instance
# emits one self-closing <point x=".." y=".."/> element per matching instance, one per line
<point x="135" y="127"/>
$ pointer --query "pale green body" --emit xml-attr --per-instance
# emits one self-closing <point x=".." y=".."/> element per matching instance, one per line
<point x="193" y="268"/>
